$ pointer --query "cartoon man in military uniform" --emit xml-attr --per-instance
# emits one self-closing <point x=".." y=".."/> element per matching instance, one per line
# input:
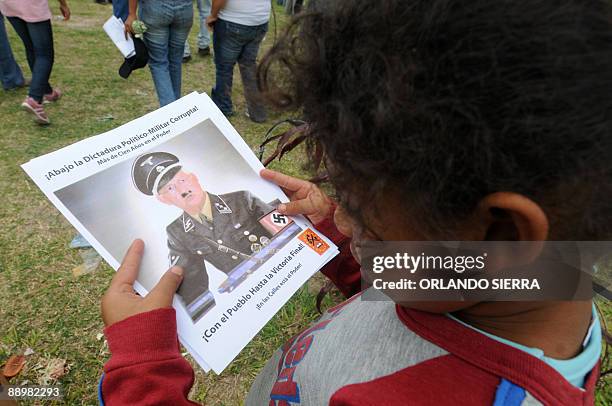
<point x="221" y="229"/>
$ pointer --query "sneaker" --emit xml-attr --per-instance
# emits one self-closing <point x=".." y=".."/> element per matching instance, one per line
<point x="36" y="109"/>
<point x="258" y="120"/>
<point x="52" y="97"/>
<point x="204" y="51"/>
<point x="186" y="58"/>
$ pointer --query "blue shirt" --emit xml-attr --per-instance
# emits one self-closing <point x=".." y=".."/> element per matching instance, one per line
<point x="574" y="370"/>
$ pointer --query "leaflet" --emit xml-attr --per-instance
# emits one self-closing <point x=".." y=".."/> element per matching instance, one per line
<point x="183" y="180"/>
<point x="115" y="30"/>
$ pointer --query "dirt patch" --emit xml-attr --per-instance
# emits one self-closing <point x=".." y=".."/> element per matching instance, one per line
<point x="81" y="22"/>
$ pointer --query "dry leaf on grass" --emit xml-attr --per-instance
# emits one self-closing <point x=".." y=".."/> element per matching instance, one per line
<point x="28" y="351"/>
<point x="13" y="365"/>
<point x="55" y="369"/>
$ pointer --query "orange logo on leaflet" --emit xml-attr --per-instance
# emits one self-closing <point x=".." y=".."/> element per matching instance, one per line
<point x="313" y="241"/>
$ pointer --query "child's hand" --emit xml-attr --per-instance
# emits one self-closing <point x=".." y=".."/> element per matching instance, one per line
<point x="306" y="197"/>
<point x="121" y="300"/>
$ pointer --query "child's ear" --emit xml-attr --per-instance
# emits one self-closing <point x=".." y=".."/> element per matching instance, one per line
<point x="512" y="217"/>
<point x="505" y="216"/>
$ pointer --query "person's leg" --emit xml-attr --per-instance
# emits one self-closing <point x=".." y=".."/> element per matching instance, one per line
<point x="179" y="31"/>
<point x="157" y="18"/>
<point x="203" y="34"/>
<point x="10" y="73"/>
<point x="40" y="69"/>
<point x="247" y="64"/>
<point x="186" y="50"/>
<point x="297" y="7"/>
<point x="21" y="28"/>
<point x="289" y="6"/>
<point x="227" y="42"/>
<point x="42" y="41"/>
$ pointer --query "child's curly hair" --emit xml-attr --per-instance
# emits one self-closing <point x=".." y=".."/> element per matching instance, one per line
<point x="440" y="102"/>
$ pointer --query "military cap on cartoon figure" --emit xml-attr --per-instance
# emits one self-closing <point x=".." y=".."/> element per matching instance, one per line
<point x="221" y="229"/>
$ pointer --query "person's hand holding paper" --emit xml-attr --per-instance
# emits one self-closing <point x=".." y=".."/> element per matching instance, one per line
<point x="115" y="29"/>
<point x="121" y="300"/>
<point x="306" y="197"/>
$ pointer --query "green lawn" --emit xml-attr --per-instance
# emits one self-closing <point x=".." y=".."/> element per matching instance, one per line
<point x="42" y="305"/>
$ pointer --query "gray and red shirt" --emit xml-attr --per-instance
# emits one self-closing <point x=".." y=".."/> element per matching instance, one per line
<point x="358" y="353"/>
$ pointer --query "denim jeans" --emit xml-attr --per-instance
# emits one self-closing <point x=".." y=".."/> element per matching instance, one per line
<point x="168" y="23"/>
<point x="10" y="73"/>
<point x="203" y="34"/>
<point x="237" y="43"/>
<point x="38" y="41"/>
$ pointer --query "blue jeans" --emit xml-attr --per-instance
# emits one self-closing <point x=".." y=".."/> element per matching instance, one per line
<point x="168" y="23"/>
<point x="203" y="34"/>
<point x="10" y="73"/>
<point x="237" y="43"/>
<point x="38" y="41"/>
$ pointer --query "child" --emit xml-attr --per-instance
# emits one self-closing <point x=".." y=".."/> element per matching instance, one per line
<point x="439" y="120"/>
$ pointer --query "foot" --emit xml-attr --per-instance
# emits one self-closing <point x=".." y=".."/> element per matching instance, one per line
<point x="255" y="119"/>
<point x="36" y="109"/>
<point x="52" y="97"/>
<point x="204" y="51"/>
<point x="23" y="84"/>
<point x="186" y="58"/>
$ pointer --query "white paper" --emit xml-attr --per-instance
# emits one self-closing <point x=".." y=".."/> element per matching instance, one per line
<point x="92" y="183"/>
<point x="115" y="30"/>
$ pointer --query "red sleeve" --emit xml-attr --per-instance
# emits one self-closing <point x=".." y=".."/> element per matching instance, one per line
<point x="146" y="366"/>
<point x="343" y="270"/>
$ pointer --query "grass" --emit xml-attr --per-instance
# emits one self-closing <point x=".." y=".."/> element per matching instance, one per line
<point x="42" y="305"/>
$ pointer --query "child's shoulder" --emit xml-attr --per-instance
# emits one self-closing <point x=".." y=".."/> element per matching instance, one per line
<point x="357" y="341"/>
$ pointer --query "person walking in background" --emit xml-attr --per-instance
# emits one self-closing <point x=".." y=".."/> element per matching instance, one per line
<point x="10" y="73"/>
<point x="32" y="22"/>
<point x="239" y="26"/>
<point x="168" y="23"/>
<point x="292" y="6"/>
<point x="203" y="34"/>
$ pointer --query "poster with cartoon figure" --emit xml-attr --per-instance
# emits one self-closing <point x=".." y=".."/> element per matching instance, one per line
<point x="183" y="180"/>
